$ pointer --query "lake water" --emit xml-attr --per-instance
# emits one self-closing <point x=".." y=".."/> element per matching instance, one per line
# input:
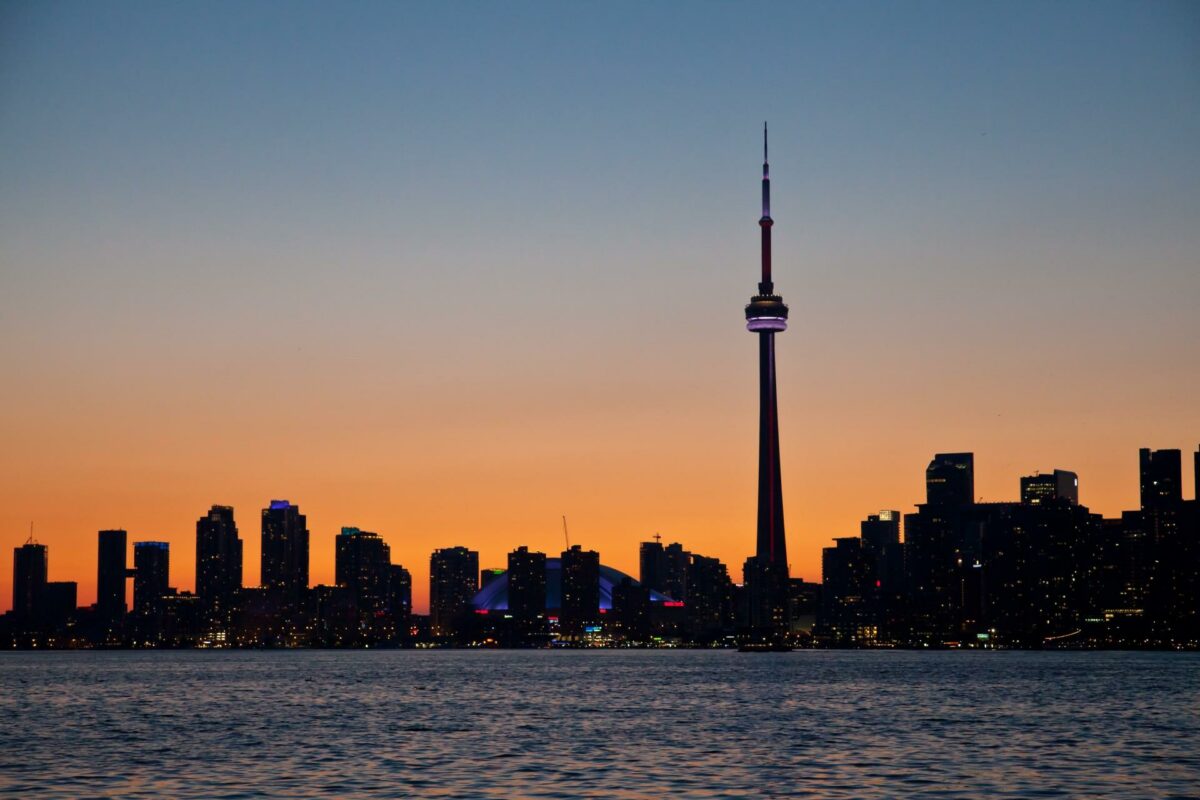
<point x="626" y="724"/>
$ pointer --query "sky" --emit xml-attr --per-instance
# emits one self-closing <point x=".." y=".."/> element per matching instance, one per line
<point x="451" y="271"/>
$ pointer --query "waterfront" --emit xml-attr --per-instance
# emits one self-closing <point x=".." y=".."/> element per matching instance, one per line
<point x="598" y="724"/>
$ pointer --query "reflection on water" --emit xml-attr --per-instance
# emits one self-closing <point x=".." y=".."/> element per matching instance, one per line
<point x="598" y="724"/>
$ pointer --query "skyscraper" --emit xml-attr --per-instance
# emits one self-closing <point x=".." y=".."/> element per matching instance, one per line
<point x="677" y="560"/>
<point x="218" y="558"/>
<point x="453" y="581"/>
<point x="1161" y="474"/>
<point x="527" y="590"/>
<point x="766" y="573"/>
<point x="29" y="580"/>
<point x="151" y="576"/>
<point x="652" y="565"/>
<point x="580" y="592"/>
<point x="400" y="598"/>
<point x="950" y="479"/>
<point x="880" y="531"/>
<point x="284" y="548"/>
<point x="1052" y="487"/>
<point x="112" y="569"/>
<point x="362" y="564"/>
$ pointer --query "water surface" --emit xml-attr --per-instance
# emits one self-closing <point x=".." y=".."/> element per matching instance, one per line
<point x="626" y="724"/>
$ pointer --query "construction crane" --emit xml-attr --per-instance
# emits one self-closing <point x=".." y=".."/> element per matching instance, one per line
<point x="566" y="535"/>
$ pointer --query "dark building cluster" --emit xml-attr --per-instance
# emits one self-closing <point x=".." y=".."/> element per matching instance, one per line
<point x="371" y="602"/>
<point x="1041" y="572"/>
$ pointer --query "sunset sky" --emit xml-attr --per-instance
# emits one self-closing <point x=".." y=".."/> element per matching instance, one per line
<point x="450" y="271"/>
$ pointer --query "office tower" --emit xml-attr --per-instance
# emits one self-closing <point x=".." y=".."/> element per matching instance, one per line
<point x="527" y="590"/>
<point x="151" y="576"/>
<point x="218" y="558"/>
<point x="709" y="607"/>
<point x="950" y="480"/>
<point x="488" y="575"/>
<point x="284" y="548"/>
<point x="767" y="576"/>
<point x="400" y="598"/>
<point x="630" y="615"/>
<point x="580" y="592"/>
<point x="1053" y="487"/>
<point x="113" y="568"/>
<point x="882" y="548"/>
<point x="362" y="563"/>
<point x="677" y="560"/>
<point x="847" y="579"/>
<point x="652" y="565"/>
<point x="941" y="547"/>
<point x="1161" y="476"/>
<point x="880" y="531"/>
<point x="453" y="581"/>
<point x="29" y="580"/>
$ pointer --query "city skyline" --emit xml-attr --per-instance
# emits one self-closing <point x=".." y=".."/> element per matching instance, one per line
<point x="356" y="266"/>
<point x="944" y="482"/>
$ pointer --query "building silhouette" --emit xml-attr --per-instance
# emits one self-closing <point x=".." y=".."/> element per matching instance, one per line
<point x="362" y="564"/>
<point x="284" y="548"/>
<point x="1050" y="487"/>
<point x="151" y="576"/>
<point x="30" y="566"/>
<point x="709" y="609"/>
<point x="112" y="570"/>
<point x="453" y="582"/>
<point x="218" y="560"/>
<point x="527" y="593"/>
<point x="1161" y="478"/>
<point x="766" y="573"/>
<point x="652" y="566"/>
<point x="400" y="599"/>
<point x="580" y="609"/>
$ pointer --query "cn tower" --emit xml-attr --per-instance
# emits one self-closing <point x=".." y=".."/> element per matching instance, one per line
<point x="766" y="315"/>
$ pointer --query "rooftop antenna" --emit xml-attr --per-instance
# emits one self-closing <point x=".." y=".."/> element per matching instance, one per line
<point x="30" y="533"/>
<point x="658" y="537"/>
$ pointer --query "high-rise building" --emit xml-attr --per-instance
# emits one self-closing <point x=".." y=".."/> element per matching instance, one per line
<point x="527" y="590"/>
<point x="400" y="598"/>
<point x="1161" y="476"/>
<point x="453" y="581"/>
<point x="677" y="560"/>
<point x="284" y="548"/>
<point x="950" y="480"/>
<point x="113" y="569"/>
<point x="29" y="580"/>
<point x="629" y="619"/>
<point x="218" y="558"/>
<point x="847" y="578"/>
<point x="362" y="563"/>
<point x="941" y="547"/>
<point x="767" y="577"/>
<point x="151" y="576"/>
<point x="1051" y="487"/>
<point x="652" y="563"/>
<point x="880" y="531"/>
<point x="709" y="607"/>
<point x="580" y="592"/>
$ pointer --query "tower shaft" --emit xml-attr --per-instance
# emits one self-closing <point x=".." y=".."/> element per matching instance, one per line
<point x="772" y="545"/>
